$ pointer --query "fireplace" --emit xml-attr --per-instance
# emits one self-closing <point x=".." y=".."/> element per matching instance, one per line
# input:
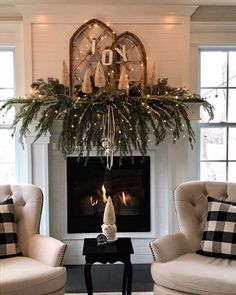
<point x="89" y="185"/>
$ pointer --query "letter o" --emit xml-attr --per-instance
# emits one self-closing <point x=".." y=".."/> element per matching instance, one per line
<point x="107" y="57"/>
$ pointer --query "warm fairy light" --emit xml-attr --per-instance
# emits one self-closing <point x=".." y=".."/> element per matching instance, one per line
<point x="124" y="199"/>
<point x="104" y="196"/>
<point x="93" y="202"/>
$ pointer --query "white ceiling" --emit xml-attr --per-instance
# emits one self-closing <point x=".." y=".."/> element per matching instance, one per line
<point x="145" y="2"/>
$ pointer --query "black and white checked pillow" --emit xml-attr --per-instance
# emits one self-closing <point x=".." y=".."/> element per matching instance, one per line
<point x="8" y="236"/>
<point x="219" y="236"/>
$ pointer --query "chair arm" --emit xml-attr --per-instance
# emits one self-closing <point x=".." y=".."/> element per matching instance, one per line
<point x="169" y="247"/>
<point x="47" y="250"/>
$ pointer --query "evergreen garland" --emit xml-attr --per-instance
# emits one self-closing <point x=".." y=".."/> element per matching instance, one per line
<point x="162" y="111"/>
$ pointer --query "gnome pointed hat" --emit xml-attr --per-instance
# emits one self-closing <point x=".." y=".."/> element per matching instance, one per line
<point x="109" y="216"/>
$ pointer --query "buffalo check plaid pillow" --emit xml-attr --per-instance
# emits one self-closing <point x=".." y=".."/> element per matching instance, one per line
<point x="219" y="236"/>
<point x="8" y="236"/>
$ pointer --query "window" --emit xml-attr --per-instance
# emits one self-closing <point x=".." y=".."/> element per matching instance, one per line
<point x="218" y="137"/>
<point x="7" y="143"/>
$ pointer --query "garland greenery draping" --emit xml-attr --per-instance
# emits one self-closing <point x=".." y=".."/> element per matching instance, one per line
<point x="85" y="121"/>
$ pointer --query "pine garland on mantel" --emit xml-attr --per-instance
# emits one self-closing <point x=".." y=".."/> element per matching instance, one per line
<point x="107" y="120"/>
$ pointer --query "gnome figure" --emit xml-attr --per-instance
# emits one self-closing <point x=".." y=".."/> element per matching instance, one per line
<point x="109" y="221"/>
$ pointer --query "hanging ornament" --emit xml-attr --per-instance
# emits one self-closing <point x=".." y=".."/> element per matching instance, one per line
<point x="64" y="78"/>
<point x="124" y="80"/>
<point x="100" y="80"/>
<point x="87" y="85"/>
<point x="108" y="138"/>
<point x="109" y="221"/>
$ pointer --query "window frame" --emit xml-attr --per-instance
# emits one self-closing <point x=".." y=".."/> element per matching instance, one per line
<point x="6" y="126"/>
<point x="222" y="124"/>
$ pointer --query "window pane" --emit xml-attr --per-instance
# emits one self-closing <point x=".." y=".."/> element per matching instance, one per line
<point x="232" y="143"/>
<point x="232" y="69"/>
<point x="213" y="68"/>
<point x="232" y="171"/>
<point x="7" y="157"/>
<point x="213" y="143"/>
<point x="7" y="69"/>
<point x="218" y="99"/>
<point x="6" y="117"/>
<point x="6" y="93"/>
<point x="213" y="171"/>
<point x="232" y="105"/>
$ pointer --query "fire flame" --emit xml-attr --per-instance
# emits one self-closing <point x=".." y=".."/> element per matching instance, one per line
<point x="124" y="198"/>
<point x="93" y="202"/>
<point x="104" y="196"/>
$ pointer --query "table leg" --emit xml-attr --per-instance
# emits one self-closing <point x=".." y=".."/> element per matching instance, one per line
<point x="127" y="279"/>
<point x="124" y="283"/>
<point x="88" y="278"/>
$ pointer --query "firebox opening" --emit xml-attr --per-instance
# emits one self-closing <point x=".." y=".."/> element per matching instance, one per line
<point x="89" y="186"/>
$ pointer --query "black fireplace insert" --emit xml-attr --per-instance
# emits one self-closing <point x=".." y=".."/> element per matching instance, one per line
<point x="89" y="185"/>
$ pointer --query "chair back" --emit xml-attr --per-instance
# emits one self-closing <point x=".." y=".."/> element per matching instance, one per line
<point x="27" y="208"/>
<point x="191" y="206"/>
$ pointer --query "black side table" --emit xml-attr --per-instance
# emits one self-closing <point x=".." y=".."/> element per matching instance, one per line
<point x="119" y="250"/>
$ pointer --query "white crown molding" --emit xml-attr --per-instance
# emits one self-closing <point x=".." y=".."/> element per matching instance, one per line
<point x="108" y="13"/>
<point x="9" y="13"/>
<point x="213" y="27"/>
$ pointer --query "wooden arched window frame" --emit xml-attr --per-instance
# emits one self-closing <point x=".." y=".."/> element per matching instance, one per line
<point x="77" y="58"/>
<point x="139" y="61"/>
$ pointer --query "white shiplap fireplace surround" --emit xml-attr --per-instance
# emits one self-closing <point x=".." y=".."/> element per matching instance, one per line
<point x="45" y="34"/>
<point x="48" y="169"/>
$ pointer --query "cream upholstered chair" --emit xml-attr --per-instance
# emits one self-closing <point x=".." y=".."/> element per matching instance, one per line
<point x="176" y="268"/>
<point x="38" y="271"/>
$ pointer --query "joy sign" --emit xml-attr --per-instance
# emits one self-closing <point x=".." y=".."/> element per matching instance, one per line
<point x="95" y="42"/>
<point x="107" y="54"/>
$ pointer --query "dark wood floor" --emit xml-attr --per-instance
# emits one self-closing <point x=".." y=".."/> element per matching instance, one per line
<point x="108" y="278"/>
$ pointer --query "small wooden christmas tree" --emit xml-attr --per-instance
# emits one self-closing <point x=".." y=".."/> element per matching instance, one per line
<point x="87" y="85"/>
<point x="100" y="80"/>
<point x="124" y="80"/>
<point x="64" y="79"/>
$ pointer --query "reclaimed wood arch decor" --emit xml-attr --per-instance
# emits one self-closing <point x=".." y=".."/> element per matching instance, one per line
<point x="136" y="63"/>
<point x="95" y="42"/>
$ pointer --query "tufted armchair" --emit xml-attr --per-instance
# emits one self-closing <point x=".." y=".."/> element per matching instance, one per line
<point x="39" y="270"/>
<point x="176" y="268"/>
